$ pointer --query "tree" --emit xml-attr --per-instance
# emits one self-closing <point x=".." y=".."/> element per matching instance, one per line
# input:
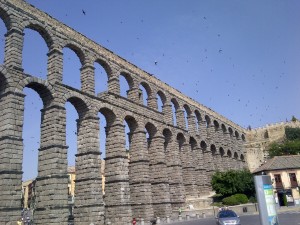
<point x="289" y="146"/>
<point x="294" y="119"/>
<point x="233" y="182"/>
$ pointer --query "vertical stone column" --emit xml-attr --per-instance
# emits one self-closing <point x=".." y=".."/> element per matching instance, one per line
<point x="117" y="192"/>
<point x="13" y="48"/>
<point x="114" y="85"/>
<point x="177" y="191"/>
<point x="225" y="162"/>
<point x="199" y="170"/>
<point x="133" y="95"/>
<point x="152" y="102"/>
<point x="139" y="177"/>
<point x="204" y="174"/>
<point x="217" y="161"/>
<point x="87" y="77"/>
<point x="52" y="180"/>
<point x="168" y="114"/>
<point x="188" y="171"/>
<point x="55" y="65"/>
<point x="88" y="205"/>
<point x="192" y="124"/>
<point x="209" y="168"/>
<point x="203" y="132"/>
<point x="180" y="119"/>
<point x="159" y="178"/>
<point x="11" y="151"/>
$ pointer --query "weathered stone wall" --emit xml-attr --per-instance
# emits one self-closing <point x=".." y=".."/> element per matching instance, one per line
<point x="174" y="164"/>
<point x="259" y="139"/>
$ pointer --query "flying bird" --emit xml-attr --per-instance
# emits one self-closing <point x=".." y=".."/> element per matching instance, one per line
<point x="83" y="12"/>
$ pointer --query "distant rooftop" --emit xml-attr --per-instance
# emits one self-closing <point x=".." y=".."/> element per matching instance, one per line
<point x="280" y="163"/>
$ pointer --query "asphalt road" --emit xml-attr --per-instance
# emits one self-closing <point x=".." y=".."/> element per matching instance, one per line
<point x="288" y="218"/>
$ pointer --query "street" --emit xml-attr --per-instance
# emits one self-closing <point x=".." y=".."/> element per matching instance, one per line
<point x="287" y="218"/>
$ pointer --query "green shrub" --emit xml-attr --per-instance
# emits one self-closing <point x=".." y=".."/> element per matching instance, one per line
<point x="230" y="201"/>
<point x="235" y="199"/>
<point x="241" y="198"/>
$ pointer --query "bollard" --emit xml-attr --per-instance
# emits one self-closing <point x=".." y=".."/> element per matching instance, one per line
<point x="168" y="219"/>
<point x="157" y="220"/>
<point x="203" y="215"/>
<point x="179" y="217"/>
<point x="142" y="222"/>
<point x="187" y="217"/>
<point x="197" y="215"/>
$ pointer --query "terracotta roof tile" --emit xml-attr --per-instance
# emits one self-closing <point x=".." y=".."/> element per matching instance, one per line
<point x="280" y="162"/>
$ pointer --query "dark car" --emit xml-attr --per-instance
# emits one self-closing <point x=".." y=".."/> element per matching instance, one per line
<point x="228" y="217"/>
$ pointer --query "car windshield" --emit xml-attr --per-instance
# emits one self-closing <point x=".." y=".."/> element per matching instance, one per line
<point x="226" y="213"/>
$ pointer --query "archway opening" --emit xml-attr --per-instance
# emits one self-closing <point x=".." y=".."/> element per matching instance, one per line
<point x="101" y="77"/>
<point x="126" y="83"/>
<point x="31" y="133"/>
<point x="175" y="107"/>
<point x="3" y="30"/>
<point x="34" y="58"/>
<point x="71" y="68"/>
<point x="144" y="93"/>
<point x="198" y="120"/>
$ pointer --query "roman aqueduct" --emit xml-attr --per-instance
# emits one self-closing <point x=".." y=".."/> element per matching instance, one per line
<point x="174" y="164"/>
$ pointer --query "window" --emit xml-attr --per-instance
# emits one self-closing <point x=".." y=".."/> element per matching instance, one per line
<point x="277" y="178"/>
<point x="293" y="177"/>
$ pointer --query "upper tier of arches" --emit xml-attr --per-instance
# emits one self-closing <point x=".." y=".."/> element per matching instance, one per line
<point x="188" y="115"/>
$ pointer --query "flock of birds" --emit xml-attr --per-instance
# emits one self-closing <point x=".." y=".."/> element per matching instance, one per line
<point x="245" y="102"/>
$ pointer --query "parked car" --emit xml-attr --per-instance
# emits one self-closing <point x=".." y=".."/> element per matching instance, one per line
<point x="227" y="217"/>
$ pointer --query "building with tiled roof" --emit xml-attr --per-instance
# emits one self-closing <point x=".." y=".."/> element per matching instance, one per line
<point x="285" y="174"/>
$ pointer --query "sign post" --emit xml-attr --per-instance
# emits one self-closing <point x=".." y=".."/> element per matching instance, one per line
<point x="266" y="201"/>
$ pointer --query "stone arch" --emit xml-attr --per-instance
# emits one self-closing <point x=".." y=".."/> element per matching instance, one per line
<point x="237" y="135"/>
<point x="6" y="18"/>
<point x="198" y="115"/>
<point x="41" y="29"/>
<point x="181" y="140"/>
<point x="78" y="51"/>
<point x="148" y="90"/>
<point x="242" y="157"/>
<point x="187" y="109"/>
<point x="132" y="123"/>
<point x="230" y="131"/>
<point x="109" y="115"/>
<point x="223" y="127"/>
<point x="203" y="145"/>
<point x="229" y="154"/>
<point x="105" y="66"/>
<point x="221" y="151"/>
<point x="160" y="95"/>
<point x="243" y="137"/>
<point x="213" y="149"/>
<point x="151" y="129"/>
<point x="167" y="133"/>
<point x="193" y="143"/>
<point x="208" y="120"/>
<point x="175" y="103"/>
<point x="128" y="78"/>
<point x="42" y="87"/>
<point x="216" y="125"/>
<point x="235" y="155"/>
<point x="81" y="105"/>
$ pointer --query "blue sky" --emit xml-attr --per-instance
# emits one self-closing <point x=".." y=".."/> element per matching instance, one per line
<point x="239" y="58"/>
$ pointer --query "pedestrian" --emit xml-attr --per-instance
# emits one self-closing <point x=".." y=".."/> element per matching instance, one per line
<point x="179" y="211"/>
<point x="134" y="221"/>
